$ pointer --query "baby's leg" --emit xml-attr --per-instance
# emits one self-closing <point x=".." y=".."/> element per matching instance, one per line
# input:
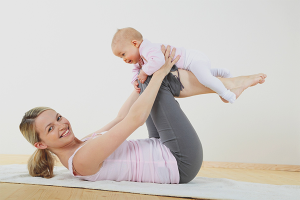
<point x="217" y="72"/>
<point x="205" y="77"/>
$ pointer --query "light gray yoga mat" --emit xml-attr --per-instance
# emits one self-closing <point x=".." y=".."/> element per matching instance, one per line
<point x="200" y="187"/>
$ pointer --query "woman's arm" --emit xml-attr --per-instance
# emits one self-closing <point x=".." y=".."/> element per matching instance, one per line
<point x="121" y="115"/>
<point x="122" y="112"/>
<point x="90" y="157"/>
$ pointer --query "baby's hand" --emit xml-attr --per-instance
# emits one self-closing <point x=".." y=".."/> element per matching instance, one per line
<point x="142" y="76"/>
<point x="136" y="86"/>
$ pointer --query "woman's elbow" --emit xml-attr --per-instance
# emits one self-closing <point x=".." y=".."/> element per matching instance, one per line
<point x="143" y="119"/>
<point x="120" y="117"/>
<point x="139" y="119"/>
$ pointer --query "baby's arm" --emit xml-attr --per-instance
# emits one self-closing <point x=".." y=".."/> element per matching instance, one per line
<point x="135" y="73"/>
<point x="136" y="86"/>
<point x="142" y="76"/>
<point x="134" y="82"/>
<point x="155" y="59"/>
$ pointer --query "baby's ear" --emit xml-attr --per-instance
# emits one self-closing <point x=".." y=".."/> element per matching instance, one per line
<point x="136" y="43"/>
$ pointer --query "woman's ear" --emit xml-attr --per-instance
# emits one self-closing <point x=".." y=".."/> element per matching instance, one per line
<point x="40" y="145"/>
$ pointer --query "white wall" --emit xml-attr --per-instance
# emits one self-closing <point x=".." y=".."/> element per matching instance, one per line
<point x="57" y="54"/>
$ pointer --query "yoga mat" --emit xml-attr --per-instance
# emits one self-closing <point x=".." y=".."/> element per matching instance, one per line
<point x="200" y="187"/>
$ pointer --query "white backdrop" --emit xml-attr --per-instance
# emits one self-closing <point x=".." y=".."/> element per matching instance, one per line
<point x="57" y="54"/>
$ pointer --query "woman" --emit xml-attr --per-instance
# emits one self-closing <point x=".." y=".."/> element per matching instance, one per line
<point x="175" y="157"/>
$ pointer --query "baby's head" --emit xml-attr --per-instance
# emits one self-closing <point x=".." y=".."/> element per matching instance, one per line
<point x="125" y="44"/>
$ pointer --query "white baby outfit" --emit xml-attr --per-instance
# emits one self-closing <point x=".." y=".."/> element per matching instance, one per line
<point x="191" y="60"/>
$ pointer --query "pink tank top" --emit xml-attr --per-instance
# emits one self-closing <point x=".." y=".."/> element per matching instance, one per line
<point x="142" y="160"/>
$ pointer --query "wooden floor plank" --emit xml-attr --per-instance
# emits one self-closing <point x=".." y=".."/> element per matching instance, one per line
<point x="40" y="192"/>
<point x="7" y="190"/>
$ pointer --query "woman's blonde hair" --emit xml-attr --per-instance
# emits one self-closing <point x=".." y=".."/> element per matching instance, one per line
<point x="41" y="162"/>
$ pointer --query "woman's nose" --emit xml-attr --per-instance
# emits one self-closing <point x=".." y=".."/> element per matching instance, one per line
<point x="62" y="126"/>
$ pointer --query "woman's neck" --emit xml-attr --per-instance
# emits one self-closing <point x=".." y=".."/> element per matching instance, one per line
<point x="67" y="151"/>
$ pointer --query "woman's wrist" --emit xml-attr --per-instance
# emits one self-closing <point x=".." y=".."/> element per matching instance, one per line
<point x="159" y="75"/>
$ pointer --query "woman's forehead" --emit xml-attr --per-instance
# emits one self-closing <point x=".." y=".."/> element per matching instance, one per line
<point x="45" y="118"/>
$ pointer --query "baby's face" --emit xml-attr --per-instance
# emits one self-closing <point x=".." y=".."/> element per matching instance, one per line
<point x="128" y="52"/>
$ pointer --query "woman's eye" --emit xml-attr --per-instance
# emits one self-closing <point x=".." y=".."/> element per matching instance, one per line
<point x="59" y="118"/>
<point x="123" y="54"/>
<point x="50" y="129"/>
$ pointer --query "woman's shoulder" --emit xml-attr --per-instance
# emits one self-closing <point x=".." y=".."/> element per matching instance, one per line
<point x="92" y="135"/>
<point x="87" y="137"/>
<point x="81" y="155"/>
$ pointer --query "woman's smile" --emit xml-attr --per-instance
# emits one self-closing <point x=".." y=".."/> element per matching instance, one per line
<point x="66" y="133"/>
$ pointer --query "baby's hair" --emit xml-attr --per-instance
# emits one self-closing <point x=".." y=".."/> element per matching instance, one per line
<point x="126" y="35"/>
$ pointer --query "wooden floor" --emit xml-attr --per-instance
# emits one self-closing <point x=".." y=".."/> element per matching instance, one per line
<point x="25" y="191"/>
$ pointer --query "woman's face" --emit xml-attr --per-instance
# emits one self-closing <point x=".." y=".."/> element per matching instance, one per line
<point x="54" y="130"/>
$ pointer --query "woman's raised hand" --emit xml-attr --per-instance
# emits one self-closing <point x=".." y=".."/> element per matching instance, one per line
<point x="168" y="59"/>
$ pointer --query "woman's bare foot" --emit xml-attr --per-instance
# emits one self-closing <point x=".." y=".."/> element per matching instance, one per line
<point x="239" y="81"/>
<point x="247" y="81"/>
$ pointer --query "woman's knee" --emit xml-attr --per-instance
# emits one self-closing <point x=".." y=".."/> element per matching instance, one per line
<point x="189" y="175"/>
<point x="190" y="165"/>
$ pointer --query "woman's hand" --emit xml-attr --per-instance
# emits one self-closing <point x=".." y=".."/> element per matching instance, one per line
<point x="165" y="69"/>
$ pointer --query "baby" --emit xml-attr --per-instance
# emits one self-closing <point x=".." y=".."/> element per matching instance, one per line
<point x="147" y="58"/>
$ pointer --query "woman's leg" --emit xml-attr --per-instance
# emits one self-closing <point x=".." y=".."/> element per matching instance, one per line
<point x="173" y="127"/>
<point x="175" y="130"/>
<point x="152" y="131"/>
<point x="237" y="84"/>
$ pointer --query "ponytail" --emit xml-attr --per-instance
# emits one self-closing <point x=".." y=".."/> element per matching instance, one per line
<point x="41" y="163"/>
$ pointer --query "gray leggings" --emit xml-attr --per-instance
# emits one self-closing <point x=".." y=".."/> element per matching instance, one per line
<point x="168" y="122"/>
